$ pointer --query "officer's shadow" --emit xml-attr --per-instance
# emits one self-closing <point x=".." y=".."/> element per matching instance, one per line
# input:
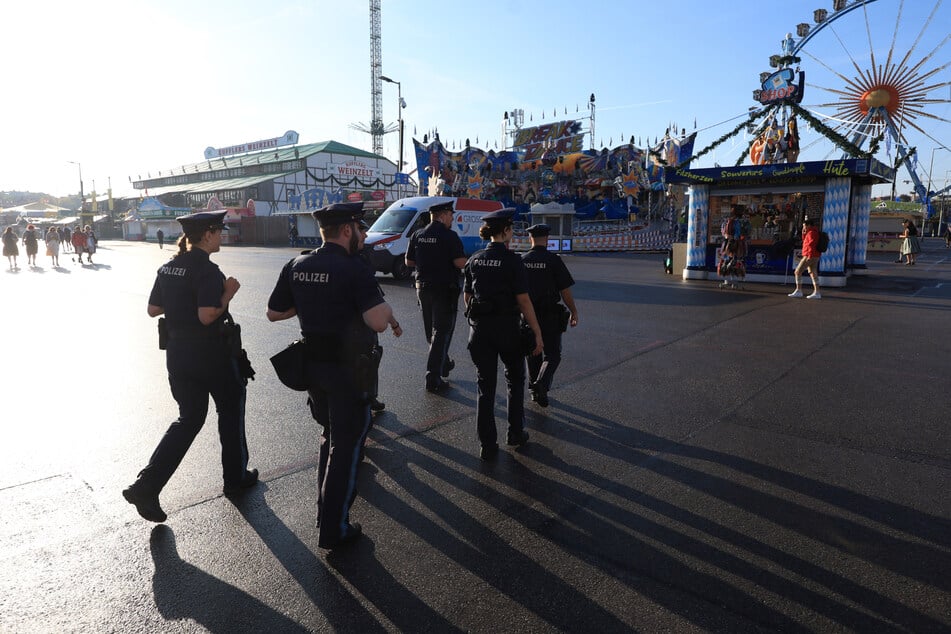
<point x="183" y="591"/>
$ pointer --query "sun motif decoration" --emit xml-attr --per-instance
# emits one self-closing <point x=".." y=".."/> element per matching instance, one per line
<point x="896" y="93"/>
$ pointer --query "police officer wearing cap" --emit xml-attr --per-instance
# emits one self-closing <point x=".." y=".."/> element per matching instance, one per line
<point x="437" y="253"/>
<point x="338" y="303"/>
<point x="496" y="293"/>
<point x="548" y="282"/>
<point x="193" y="294"/>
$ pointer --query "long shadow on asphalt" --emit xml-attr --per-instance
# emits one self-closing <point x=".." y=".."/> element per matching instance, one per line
<point x="590" y="537"/>
<point x="357" y="564"/>
<point x="183" y="591"/>
<point x="902" y="556"/>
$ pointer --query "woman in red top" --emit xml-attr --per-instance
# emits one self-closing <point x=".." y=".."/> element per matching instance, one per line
<point x="810" y="259"/>
<point x="79" y="242"/>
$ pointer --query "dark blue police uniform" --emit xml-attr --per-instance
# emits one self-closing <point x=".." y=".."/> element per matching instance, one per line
<point x="433" y="248"/>
<point x="201" y="362"/>
<point x="330" y="290"/>
<point x="547" y="277"/>
<point x="494" y="276"/>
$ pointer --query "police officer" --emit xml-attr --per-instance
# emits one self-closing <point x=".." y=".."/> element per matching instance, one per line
<point x="437" y="253"/>
<point x="548" y="282"/>
<point x="194" y="295"/>
<point x="338" y="303"/>
<point x="496" y="292"/>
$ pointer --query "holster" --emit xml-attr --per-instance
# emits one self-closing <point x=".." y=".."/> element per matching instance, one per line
<point x="162" y="334"/>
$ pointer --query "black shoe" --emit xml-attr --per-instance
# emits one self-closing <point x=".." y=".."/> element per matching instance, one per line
<point x="450" y="366"/>
<point x="540" y="397"/>
<point x="146" y="504"/>
<point x="250" y="479"/>
<point x="376" y="405"/>
<point x="489" y="452"/>
<point x="517" y="439"/>
<point x="354" y="532"/>
<point x="437" y="388"/>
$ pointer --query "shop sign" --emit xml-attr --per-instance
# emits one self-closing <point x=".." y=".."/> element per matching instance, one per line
<point x="780" y="86"/>
<point x="289" y="138"/>
<point x="354" y="197"/>
<point x="354" y="169"/>
<point x="378" y="195"/>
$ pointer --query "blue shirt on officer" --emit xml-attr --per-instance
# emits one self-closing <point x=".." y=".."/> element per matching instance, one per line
<point x="433" y="248"/>
<point x="184" y="284"/>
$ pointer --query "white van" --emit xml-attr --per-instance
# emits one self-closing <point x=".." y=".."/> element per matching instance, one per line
<point x="388" y="238"/>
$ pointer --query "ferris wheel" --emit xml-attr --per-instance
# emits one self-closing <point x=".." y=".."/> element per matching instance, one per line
<point x="877" y="74"/>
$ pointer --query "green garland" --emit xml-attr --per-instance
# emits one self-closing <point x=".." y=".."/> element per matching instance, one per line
<point x="753" y="116"/>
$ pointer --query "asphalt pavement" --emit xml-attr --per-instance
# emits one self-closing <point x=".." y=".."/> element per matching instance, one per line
<point x="712" y="460"/>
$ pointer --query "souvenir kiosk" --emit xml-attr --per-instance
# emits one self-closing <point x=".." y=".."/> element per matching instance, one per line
<point x="774" y="199"/>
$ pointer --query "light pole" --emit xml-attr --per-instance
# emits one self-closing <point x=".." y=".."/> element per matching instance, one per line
<point x="928" y="193"/>
<point x="82" y="196"/>
<point x="400" y="104"/>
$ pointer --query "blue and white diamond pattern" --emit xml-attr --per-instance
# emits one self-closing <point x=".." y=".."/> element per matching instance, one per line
<point x="835" y="219"/>
<point x="861" y="211"/>
<point x="697" y="222"/>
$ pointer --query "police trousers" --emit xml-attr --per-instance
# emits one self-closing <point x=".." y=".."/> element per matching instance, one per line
<point x="344" y="414"/>
<point x="493" y="338"/>
<point x="197" y="369"/>
<point x="541" y="368"/>
<point x="439" y="306"/>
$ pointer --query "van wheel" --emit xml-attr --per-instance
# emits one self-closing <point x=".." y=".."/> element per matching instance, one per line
<point x="400" y="270"/>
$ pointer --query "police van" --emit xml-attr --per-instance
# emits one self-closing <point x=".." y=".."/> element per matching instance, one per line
<point x="388" y="238"/>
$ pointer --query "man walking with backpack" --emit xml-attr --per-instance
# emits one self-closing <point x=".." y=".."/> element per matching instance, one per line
<point x="811" y="250"/>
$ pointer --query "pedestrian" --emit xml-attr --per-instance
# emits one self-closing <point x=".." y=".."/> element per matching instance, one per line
<point x="66" y="239"/>
<point x="438" y="256"/>
<point x="292" y="234"/>
<point x="496" y="292"/>
<point x="78" y="239"/>
<point x="91" y="243"/>
<point x="160" y="235"/>
<point x="910" y="245"/>
<point x="549" y="284"/>
<point x="810" y="259"/>
<point x="337" y="301"/>
<point x="10" y="248"/>
<point x="947" y="235"/>
<point x="52" y="245"/>
<point x="30" y="242"/>
<point x="194" y="295"/>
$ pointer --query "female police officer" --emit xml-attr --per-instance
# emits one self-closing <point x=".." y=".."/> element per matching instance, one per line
<point x="194" y="295"/>
<point x="496" y="291"/>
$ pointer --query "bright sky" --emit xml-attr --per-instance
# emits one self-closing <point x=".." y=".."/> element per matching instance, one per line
<point x="127" y="87"/>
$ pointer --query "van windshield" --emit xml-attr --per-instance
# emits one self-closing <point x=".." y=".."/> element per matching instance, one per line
<point x="393" y="220"/>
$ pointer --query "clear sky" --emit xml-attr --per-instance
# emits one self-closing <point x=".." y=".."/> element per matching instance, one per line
<point x="130" y="87"/>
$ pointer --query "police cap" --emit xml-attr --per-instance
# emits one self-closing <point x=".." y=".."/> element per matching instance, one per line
<point x="339" y="214"/>
<point x="502" y="216"/>
<point x="539" y="231"/>
<point x="202" y="221"/>
<point x="440" y="208"/>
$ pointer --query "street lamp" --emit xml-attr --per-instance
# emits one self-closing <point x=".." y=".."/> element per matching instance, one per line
<point x="928" y="192"/>
<point x="82" y="196"/>
<point x="400" y="104"/>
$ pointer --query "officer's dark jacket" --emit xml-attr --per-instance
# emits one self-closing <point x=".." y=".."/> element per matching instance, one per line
<point x="184" y="284"/>
<point x="547" y="276"/>
<point x="496" y="274"/>
<point x="433" y="248"/>
<point x="330" y="290"/>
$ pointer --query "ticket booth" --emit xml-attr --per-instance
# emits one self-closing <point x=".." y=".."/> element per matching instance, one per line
<point x="774" y="200"/>
<point x="561" y="220"/>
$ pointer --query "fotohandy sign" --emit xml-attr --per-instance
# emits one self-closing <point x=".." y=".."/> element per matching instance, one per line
<point x="354" y="169"/>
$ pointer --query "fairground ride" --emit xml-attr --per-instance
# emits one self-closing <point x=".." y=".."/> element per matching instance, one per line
<point x="887" y="89"/>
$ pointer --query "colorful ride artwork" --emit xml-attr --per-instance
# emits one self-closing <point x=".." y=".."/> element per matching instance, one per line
<point x="547" y="163"/>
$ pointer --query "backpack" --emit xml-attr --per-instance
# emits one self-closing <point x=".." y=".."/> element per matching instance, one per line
<point x="823" y="242"/>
